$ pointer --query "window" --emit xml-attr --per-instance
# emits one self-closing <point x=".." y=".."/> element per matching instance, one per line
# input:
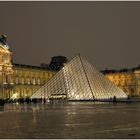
<point x="7" y="79"/>
<point x="38" y="81"/>
<point x="22" y="80"/>
<point x="28" y="81"/>
<point x="34" y="81"/>
<point x="16" y="71"/>
<point x="16" y="80"/>
<point x="0" y="68"/>
<point x="22" y="93"/>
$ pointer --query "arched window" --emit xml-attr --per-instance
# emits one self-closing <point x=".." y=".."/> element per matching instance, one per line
<point x="0" y="68"/>
<point x="22" y="80"/>
<point x="7" y="78"/>
<point x="38" y="81"/>
<point x="28" y="81"/>
<point x="21" y="92"/>
<point x="16" y="79"/>
<point x="34" y="81"/>
<point x="16" y="71"/>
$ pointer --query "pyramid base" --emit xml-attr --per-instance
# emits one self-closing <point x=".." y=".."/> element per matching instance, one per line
<point x="104" y="100"/>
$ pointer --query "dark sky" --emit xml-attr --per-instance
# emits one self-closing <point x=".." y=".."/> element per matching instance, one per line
<point x="107" y="34"/>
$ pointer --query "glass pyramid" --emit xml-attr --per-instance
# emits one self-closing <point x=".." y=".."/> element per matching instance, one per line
<point x="79" y="80"/>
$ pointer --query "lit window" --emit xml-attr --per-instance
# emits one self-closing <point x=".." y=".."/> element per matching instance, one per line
<point x="22" y="92"/>
<point x="0" y="68"/>
<point x="38" y="81"/>
<point x="16" y="71"/>
<point x="28" y="80"/>
<point x="22" y="80"/>
<point x="16" y="80"/>
<point x="34" y="82"/>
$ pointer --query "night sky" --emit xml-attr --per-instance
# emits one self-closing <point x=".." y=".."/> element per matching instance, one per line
<point x="107" y="34"/>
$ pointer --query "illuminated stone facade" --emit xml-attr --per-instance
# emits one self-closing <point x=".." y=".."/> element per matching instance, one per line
<point x="27" y="79"/>
<point x="6" y="69"/>
<point x="136" y="82"/>
<point x="127" y="79"/>
<point x="21" y="81"/>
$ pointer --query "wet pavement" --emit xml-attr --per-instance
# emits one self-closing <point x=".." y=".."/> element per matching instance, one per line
<point x="77" y="120"/>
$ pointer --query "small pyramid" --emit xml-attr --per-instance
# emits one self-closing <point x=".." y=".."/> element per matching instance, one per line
<point x="79" y="80"/>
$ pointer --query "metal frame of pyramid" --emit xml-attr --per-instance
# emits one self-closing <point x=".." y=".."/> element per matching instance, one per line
<point x="79" y="80"/>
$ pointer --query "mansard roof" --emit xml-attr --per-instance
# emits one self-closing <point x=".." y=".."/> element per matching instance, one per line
<point x="124" y="70"/>
<point x="29" y="67"/>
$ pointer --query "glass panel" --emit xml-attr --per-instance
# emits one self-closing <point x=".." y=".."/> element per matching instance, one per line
<point x="79" y="80"/>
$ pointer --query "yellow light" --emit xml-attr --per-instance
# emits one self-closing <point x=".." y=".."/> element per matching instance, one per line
<point x="15" y="96"/>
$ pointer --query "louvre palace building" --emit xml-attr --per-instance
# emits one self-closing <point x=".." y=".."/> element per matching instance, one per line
<point x="74" y="79"/>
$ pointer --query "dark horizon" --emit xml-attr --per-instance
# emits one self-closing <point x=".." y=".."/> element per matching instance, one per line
<point x="105" y="33"/>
